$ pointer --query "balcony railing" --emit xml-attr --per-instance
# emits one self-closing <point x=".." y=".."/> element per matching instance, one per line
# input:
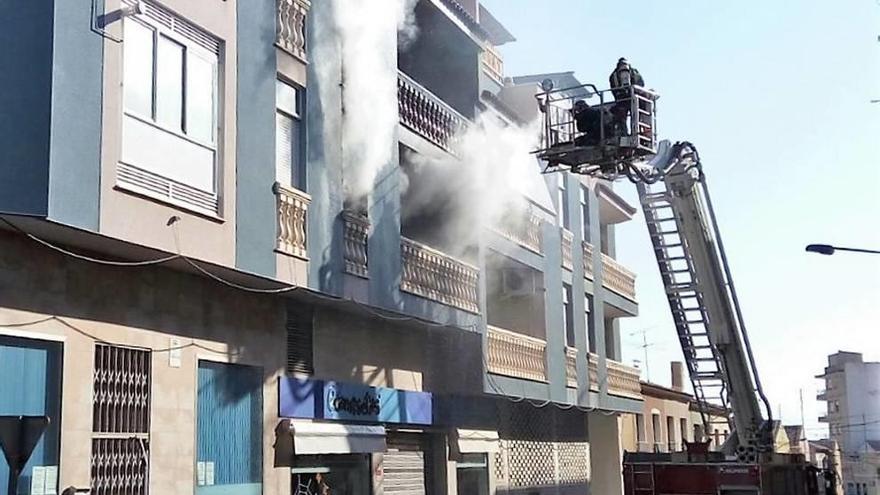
<point x="492" y="63"/>
<point x="571" y="378"/>
<point x="524" y="229"/>
<point x="291" y="209"/>
<point x="567" y="238"/>
<point x="433" y="275"/>
<point x="617" y="278"/>
<point x="623" y="380"/>
<point x="357" y="227"/>
<point x="426" y="114"/>
<point x="588" y="260"/>
<point x="290" y="26"/>
<point x="516" y="355"/>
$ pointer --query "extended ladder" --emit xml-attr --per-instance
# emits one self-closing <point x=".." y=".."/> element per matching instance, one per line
<point x="685" y="301"/>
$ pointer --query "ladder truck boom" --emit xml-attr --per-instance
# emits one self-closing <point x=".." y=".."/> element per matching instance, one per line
<point x="585" y="138"/>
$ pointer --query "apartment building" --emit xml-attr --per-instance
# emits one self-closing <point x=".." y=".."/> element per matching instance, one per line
<point x="852" y="396"/>
<point x="197" y="300"/>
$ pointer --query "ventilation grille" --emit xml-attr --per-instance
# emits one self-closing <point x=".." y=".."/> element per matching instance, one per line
<point x="165" y="17"/>
<point x="300" y="338"/>
<point x="154" y="185"/>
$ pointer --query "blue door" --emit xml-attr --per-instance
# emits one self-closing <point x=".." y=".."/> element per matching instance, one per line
<point x="30" y="384"/>
<point x="230" y="433"/>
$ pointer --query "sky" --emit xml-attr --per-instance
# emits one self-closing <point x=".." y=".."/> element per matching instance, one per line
<point x="776" y="97"/>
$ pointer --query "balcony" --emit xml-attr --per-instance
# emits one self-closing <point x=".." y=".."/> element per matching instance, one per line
<point x="618" y="279"/>
<point x="588" y="260"/>
<point x="623" y="380"/>
<point x="290" y="26"/>
<point x="291" y="207"/>
<point x="492" y="63"/>
<point x="516" y="355"/>
<point x="427" y="115"/>
<point x="571" y="378"/>
<point x="567" y="238"/>
<point x="356" y="229"/>
<point x="436" y="276"/>
<point x="822" y="395"/>
<point x="523" y="229"/>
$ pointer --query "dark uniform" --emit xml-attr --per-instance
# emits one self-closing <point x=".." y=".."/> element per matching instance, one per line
<point x="621" y="79"/>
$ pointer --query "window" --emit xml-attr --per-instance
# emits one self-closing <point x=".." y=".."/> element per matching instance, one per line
<point x="229" y="429"/>
<point x="656" y="432"/>
<point x="585" y="211"/>
<point x="562" y="199"/>
<point x="611" y="340"/>
<point x="640" y="428"/>
<point x="717" y="439"/>
<point x="472" y="472"/>
<point x="121" y="420"/>
<point x="567" y="315"/>
<point x="591" y="327"/>
<point x="684" y="430"/>
<point x="169" y="126"/>
<point x="288" y="135"/>
<point x="670" y="433"/>
<point x="698" y="433"/>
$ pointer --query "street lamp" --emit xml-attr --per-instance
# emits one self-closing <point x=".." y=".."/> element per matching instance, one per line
<point x="828" y="250"/>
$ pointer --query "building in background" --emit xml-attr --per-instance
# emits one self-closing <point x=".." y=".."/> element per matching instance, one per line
<point x="670" y="417"/>
<point x="852" y="395"/>
<point x="213" y="279"/>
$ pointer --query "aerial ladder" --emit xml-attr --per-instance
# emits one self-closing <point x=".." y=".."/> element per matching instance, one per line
<point x="699" y="288"/>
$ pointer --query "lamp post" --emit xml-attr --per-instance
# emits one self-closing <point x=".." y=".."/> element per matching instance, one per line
<point x="828" y="250"/>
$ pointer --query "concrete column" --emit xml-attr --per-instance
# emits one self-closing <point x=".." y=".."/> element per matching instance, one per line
<point x="606" y="456"/>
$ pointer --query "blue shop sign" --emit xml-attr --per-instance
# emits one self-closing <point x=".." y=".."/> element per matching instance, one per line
<point x="324" y="399"/>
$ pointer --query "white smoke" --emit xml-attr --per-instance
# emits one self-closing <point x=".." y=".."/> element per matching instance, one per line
<point x="481" y="186"/>
<point x="367" y="34"/>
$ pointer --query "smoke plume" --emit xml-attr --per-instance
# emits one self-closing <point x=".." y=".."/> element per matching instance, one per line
<point x="366" y="34"/>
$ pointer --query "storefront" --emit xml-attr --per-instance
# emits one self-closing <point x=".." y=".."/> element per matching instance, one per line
<point x="351" y="439"/>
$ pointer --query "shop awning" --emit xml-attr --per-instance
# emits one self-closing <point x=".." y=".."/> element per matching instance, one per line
<point x="477" y="441"/>
<point x="336" y="438"/>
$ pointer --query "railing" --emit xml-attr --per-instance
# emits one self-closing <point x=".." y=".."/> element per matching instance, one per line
<point x="357" y="226"/>
<point x="433" y="275"/>
<point x="426" y="114"/>
<point x="290" y="26"/>
<point x="516" y="355"/>
<point x="523" y="228"/>
<point x="291" y="208"/>
<point x="571" y="378"/>
<point x="492" y="63"/>
<point x="567" y="238"/>
<point x="617" y="278"/>
<point x="588" y="260"/>
<point x="623" y="380"/>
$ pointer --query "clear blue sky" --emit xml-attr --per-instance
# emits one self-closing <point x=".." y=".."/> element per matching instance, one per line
<point x="775" y="95"/>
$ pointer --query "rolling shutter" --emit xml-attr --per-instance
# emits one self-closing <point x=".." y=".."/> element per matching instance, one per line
<point x="404" y="467"/>
<point x="300" y="338"/>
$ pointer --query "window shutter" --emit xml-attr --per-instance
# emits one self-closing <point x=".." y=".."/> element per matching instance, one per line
<point x="300" y="339"/>
<point x="284" y="135"/>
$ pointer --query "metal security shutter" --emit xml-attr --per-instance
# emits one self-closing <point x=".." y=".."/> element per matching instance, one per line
<point x="404" y="471"/>
<point x="300" y="338"/>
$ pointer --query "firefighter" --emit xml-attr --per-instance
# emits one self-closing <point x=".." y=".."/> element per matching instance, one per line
<point x="621" y="80"/>
<point x="589" y="121"/>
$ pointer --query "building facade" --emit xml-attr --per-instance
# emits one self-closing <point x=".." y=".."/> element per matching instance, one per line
<point x="225" y="269"/>
<point x="670" y="417"/>
<point x="852" y="394"/>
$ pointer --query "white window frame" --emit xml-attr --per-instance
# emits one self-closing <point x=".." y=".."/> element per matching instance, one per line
<point x="139" y="168"/>
<point x="295" y="162"/>
<point x="189" y="46"/>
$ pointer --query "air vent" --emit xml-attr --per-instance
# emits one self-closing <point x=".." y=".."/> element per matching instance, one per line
<point x="300" y="340"/>
<point x="177" y="24"/>
<point x="154" y="185"/>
